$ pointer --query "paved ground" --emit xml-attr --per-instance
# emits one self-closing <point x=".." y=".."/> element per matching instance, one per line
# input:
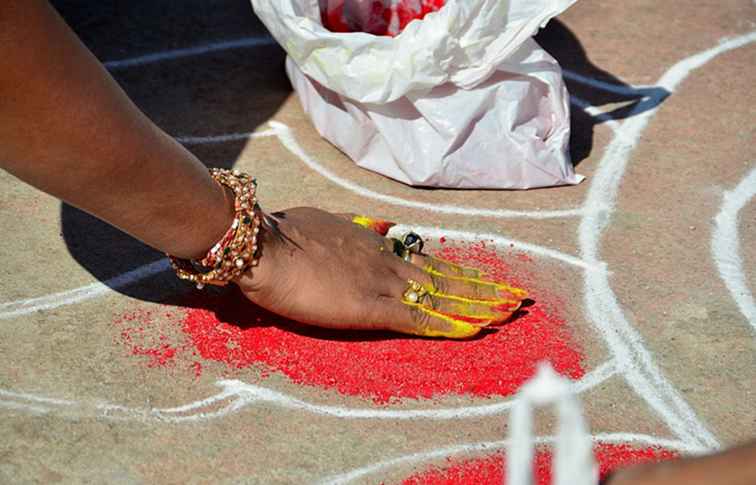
<point x="643" y="276"/>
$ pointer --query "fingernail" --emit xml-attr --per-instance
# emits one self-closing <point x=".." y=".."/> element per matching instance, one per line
<point x="378" y="225"/>
<point x="507" y="307"/>
<point x="508" y="292"/>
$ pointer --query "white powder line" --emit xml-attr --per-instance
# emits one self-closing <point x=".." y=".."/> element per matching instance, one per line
<point x="430" y="232"/>
<point x="27" y="408"/>
<point x="22" y="396"/>
<point x="245" y="42"/>
<point x="290" y="143"/>
<point x="725" y="246"/>
<point x="626" y="90"/>
<point x="240" y="395"/>
<point x="23" y="307"/>
<point x="595" y="112"/>
<point x="473" y="449"/>
<point x="197" y="140"/>
<point x="256" y="393"/>
<point x="601" y="303"/>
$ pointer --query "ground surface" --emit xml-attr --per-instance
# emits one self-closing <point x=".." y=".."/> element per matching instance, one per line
<point x="643" y="276"/>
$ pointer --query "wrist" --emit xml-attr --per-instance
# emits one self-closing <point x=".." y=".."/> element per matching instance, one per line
<point x="210" y="224"/>
<point x="235" y="250"/>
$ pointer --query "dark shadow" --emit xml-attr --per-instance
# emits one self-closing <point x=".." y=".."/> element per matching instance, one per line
<point x="230" y="306"/>
<point x="227" y="91"/>
<point x="562" y="43"/>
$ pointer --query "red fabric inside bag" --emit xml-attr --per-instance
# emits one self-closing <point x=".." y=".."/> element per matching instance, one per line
<point x="377" y="17"/>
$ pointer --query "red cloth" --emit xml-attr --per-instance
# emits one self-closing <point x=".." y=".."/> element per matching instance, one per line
<point x="377" y="17"/>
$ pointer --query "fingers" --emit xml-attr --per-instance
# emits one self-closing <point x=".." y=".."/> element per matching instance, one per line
<point x="444" y="267"/>
<point x="483" y="288"/>
<point x="500" y="296"/>
<point x="415" y="319"/>
<point x="458" y="304"/>
<point x="377" y="225"/>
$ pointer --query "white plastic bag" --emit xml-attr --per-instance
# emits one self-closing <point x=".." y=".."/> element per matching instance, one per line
<point x="464" y="98"/>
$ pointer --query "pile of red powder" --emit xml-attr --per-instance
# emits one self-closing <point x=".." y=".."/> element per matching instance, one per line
<point x="491" y="470"/>
<point x="380" y="366"/>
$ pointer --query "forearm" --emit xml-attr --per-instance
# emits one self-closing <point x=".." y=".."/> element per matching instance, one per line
<point x="732" y="467"/>
<point x="67" y="128"/>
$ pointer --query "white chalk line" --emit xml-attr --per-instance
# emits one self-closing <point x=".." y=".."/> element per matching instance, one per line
<point x="197" y="140"/>
<point x="27" y="408"/>
<point x="600" y="301"/>
<point x="242" y="43"/>
<point x="725" y="246"/>
<point x="21" y="396"/>
<point x="596" y="113"/>
<point x="473" y="449"/>
<point x="240" y="395"/>
<point x="622" y="89"/>
<point x="24" y="307"/>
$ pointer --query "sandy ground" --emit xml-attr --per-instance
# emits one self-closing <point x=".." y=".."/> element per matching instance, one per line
<point x="643" y="275"/>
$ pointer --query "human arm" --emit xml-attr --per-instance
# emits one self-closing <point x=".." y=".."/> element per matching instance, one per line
<point x="732" y="467"/>
<point x="67" y="128"/>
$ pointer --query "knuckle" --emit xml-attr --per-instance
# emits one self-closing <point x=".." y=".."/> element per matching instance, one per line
<point x="440" y="283"/>
<point x="421" y="319"/>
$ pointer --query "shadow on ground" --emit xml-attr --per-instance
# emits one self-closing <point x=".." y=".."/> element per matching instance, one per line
<point x="229" y="305"/>
<point x="562" y="43"/>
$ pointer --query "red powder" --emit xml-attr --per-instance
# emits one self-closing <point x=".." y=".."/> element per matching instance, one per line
<point x="490" y="470"/>
<point x="135" y="334"/>
<point x="383" y="18"/>
<point x="159" y="356"/>
<point x="383" y="366"/>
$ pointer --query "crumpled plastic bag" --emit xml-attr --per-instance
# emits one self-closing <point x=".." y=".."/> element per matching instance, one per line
<point x="463" y="98"/>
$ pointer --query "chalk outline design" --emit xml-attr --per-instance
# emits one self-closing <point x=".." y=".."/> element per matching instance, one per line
<point x="725" y="246"/>
<point x="630" y="357"/>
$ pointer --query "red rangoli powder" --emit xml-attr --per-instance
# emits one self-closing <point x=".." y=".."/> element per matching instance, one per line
<point x="491" y="470"/>
<point x="383" y="17"/>
<point x="384" y="366"/>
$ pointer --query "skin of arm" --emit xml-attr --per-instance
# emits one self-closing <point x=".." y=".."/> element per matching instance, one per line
<point x="68" y="129"/>
<point x="732" y="467"/>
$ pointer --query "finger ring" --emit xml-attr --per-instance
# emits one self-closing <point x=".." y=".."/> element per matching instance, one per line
<point x="399" y="248"/>
<point x="410" y="244"/>
<point x="413" y="243"/>
<point x="414" y="293"/>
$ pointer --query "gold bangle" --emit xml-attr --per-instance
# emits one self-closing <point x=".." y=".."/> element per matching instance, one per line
<point x="238" y="250"/>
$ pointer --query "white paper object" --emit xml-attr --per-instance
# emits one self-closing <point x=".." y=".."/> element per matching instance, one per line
<point x="464" y="98"/>
<point x="573" y="461"/>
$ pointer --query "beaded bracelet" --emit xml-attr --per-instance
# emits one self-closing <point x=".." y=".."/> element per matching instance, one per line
<point x="237" y="250"/>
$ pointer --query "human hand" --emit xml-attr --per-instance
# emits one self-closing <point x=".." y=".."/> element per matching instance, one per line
<point x="322" y="269"/>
